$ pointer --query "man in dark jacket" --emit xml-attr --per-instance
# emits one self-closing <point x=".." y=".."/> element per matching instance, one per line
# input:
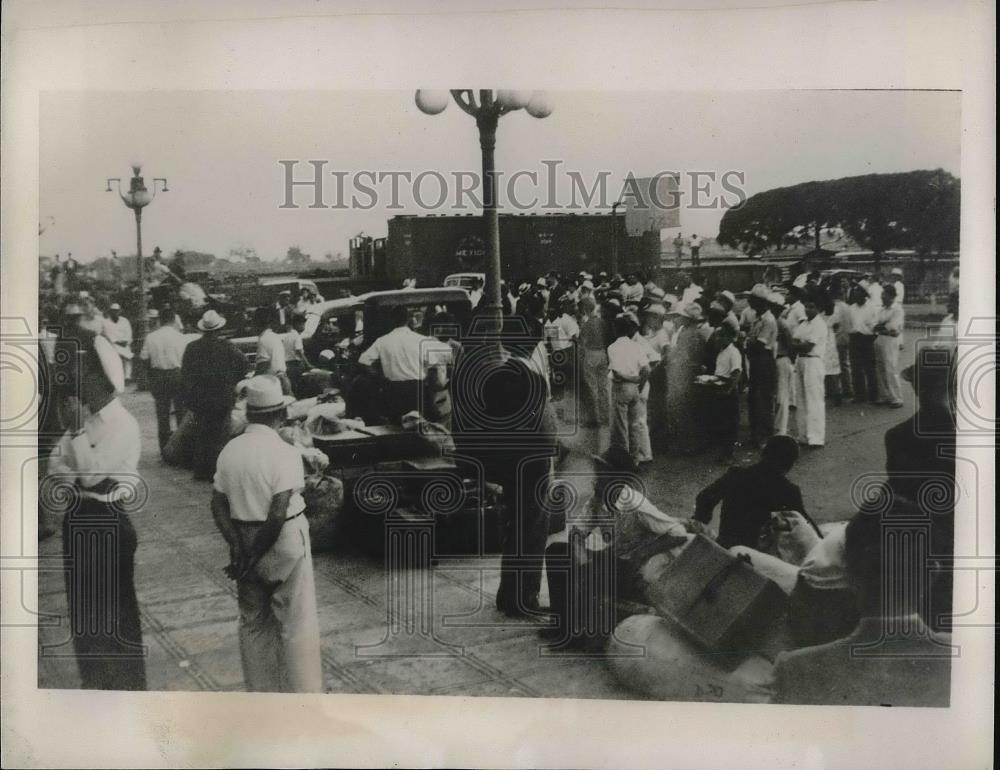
<point x="510" y="431"/>
<point x="210" y="370"/>
<point x="750" y="494"/>
<point x="920" y="465"/>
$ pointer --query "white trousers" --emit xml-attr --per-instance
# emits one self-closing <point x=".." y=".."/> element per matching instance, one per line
<point x="628" y="418"/>
<point x="643" y="449"/>
<point x="279" y="627"/>
<point x="784" y="394"/>
<point x="810" y="412"/>
<point x="890" y="390"/>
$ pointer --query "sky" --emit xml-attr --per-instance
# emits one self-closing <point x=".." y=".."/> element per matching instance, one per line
<point x="220" y="152"/>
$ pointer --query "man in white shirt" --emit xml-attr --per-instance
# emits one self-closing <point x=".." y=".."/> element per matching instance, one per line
<point x="476" y="292"/>
<point x="258" y="507"/>
<point x="402" y="355"/>
<point x="163" y="350"/>
<point x="784" y="366"/>
<point x="863" y="316"/>
<point x="888" y="340"/>
<point x="271" y="351"/>
<point x="725" y="406"/>
<point x="761" y="349"/>
<point x="118" y="330"/>
<point x="98" y="458"/>
<point x="563" y="344"/>
<point x="629" y="368"/>
<point x="632" y="289"/>
<point x="690" y="291"/>
<point x="295" y="354"/>
<point x="695" y="246"/>
<point x="809" y="342"/>
<point x="896" y="276"/>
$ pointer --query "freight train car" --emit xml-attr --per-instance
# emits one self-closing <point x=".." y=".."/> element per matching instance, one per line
<point x="429" y="248"/>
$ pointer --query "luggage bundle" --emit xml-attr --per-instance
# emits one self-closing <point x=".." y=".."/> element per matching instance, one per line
<point x="717" y="599"/>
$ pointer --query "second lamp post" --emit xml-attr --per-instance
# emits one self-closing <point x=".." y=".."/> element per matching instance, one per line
<point x="137" y="198"/>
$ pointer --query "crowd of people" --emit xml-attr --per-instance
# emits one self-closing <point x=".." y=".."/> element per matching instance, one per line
<point x="662" y="368"/>
<point x="666" y="368"/>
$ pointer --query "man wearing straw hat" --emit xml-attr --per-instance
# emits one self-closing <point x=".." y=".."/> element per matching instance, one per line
<point x="258" y="507"/>
<point x="117" y="328"/>
<point x="761" y="347"/>
<point x="210" y="369"/>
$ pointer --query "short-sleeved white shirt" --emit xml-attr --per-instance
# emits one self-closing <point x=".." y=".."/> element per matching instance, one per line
<point x="270" y="348"/>
<point x="402" y="354"/>
<point x="566" y="330"/>
<point x="814" y="331"/>
<point x="626" y="357"/>
<point x="253" y="468"/>
<point x="728" y="361"/>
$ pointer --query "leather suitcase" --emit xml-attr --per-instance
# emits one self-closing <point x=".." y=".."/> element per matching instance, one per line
<point x="348" y="448"/>
<point x="722" y="604"/>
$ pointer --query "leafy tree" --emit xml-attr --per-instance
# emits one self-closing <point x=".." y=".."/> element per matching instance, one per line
<point x="296" y="256"/>
<point x="914" y="210"/>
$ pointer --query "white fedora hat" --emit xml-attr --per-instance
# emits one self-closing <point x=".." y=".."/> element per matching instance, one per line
<point x="264" y="394"/>
<point x="211" y="321"/>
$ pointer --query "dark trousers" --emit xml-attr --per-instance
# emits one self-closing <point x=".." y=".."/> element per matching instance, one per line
<point x="723" y="413"/>
<point x="862" y="350"/>
<point x="525" y="531"/>
<point x="403" y="396"/>
<point x="696" y="256"/>
<point x="99" y="547"/>
<point x="210" y="437"/>
<point x="166" y="389"/>
<point x="294" y="370"/>
<point x="761" y="394"/>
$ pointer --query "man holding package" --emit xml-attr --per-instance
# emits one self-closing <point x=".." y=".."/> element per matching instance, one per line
<point x="258" y="507"/>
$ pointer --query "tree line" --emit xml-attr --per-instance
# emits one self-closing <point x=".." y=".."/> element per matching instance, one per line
<point x="916" y="210"/>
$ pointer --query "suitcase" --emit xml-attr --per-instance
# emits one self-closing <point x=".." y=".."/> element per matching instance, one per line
<point x="717" y="599"/>
<point x="348" y="448"/>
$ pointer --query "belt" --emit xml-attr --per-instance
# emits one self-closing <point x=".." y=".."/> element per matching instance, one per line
<point x="807" y="356"/>
<point x="102" y="497"/>
<point x="261" y="523"/>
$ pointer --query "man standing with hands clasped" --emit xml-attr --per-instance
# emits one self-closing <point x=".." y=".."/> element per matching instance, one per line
<point x="258" y="508"/>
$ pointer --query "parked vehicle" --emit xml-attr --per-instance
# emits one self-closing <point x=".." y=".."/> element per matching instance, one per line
<point x="465" y="281"/>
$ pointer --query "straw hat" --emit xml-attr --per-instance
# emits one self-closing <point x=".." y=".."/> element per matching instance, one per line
<point x="264" y="395"/>
<point x="693" y="311"/>
<point x="211" y="321"/>
<point x="775" y="298"/>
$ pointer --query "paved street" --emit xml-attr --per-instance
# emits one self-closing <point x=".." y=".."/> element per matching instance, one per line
<point x="189" y="607"/>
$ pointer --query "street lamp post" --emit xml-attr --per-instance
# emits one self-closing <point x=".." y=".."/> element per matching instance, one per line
<point x="487" y="107"/>
<point x="614" y="236"/>
<point x="137" y="198"/>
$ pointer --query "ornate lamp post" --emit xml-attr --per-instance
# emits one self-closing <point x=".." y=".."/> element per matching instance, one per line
<point x="137" y="198"/>
<point x="614" y="236"/>
<point x="487" y="107"/>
